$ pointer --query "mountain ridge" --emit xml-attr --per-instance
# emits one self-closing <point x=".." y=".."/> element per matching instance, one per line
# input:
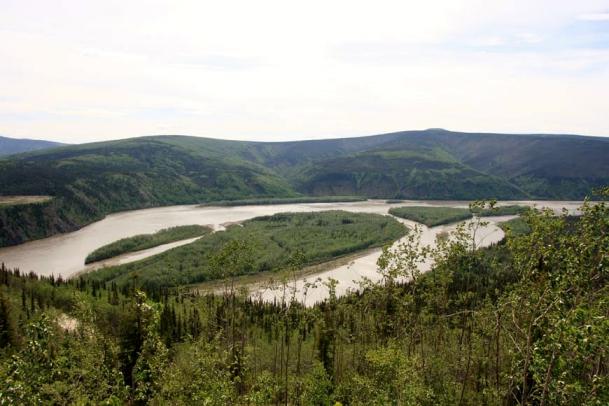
<point x="88" y="181"/>
<point x="10" y="146"/>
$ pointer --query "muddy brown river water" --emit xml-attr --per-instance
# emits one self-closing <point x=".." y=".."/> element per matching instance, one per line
<point x="65" y="254"/>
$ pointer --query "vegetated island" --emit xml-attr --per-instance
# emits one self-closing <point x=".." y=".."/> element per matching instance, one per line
<point x="286" y="200"/>
<point x="268" y="244"/>
<point x="145" y="241"/>
<point x="435" y="216"/>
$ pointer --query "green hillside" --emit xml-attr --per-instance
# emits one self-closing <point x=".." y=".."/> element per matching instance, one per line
<point x="402" y="174"/>
<point x="91" y="180"/>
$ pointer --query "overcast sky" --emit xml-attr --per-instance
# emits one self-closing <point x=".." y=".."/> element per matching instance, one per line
<point x="78" y="71"/>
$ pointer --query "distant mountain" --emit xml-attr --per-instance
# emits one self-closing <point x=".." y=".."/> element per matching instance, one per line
<point x="88" y="181"/>
<point x="10" y="146"/>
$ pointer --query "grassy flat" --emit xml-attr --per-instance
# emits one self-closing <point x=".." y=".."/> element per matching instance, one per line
<point x="321" y="236"/>
<point x="145" y="241"/>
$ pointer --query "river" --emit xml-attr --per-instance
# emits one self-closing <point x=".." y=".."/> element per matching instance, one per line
<point x="65" y="254"/>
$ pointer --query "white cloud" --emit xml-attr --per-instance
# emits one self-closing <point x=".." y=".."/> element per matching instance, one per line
<point x="80" y="71"/>
<point x="595" y="17"/>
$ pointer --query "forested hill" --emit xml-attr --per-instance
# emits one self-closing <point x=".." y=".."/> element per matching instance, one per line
<point x="90" y="180"/>
<point x="10" y="146"/>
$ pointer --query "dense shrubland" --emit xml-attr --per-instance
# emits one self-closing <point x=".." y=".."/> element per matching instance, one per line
<point x="522" y="322"/>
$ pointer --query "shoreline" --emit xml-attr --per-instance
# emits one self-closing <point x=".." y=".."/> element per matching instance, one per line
<point x="258" y="280"/>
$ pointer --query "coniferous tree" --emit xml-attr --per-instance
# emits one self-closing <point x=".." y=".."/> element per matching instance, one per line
<point x="8" y="325"/>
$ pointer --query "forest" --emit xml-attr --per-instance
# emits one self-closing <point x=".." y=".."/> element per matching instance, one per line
<point x="521" y="322"/>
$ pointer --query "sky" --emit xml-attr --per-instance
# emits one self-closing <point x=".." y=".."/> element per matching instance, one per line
<point x="78" y="71"/>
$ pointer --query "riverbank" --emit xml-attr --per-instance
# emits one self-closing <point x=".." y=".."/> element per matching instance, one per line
<point x="65" y="254"/>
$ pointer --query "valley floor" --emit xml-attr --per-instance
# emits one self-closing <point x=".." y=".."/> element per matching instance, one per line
<point x="64" y="254"/>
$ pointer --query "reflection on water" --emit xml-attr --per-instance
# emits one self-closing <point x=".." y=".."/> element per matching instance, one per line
<point x="65" y="254"/>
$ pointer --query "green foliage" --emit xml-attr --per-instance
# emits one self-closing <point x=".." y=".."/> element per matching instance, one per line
<point x="563" y="287"/>
<point x="56" y="368"/>
<point x="8" y="326"/>
<point x="317" y="387"/>
<point x="387" y="376"/>
<point x="272" y="239"/>
<point x="521" y="322"/>
<point x="153" y="353"/>
<point x="145" y="241"/>
<point x="197" y="374"/>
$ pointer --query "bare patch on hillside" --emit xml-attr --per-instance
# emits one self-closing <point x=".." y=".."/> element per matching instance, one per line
<point x="21" y="200"/>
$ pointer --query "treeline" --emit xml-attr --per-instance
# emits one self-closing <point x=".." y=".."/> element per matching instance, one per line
<point x="522" y="322"/>
<point x="286" y="200"/>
